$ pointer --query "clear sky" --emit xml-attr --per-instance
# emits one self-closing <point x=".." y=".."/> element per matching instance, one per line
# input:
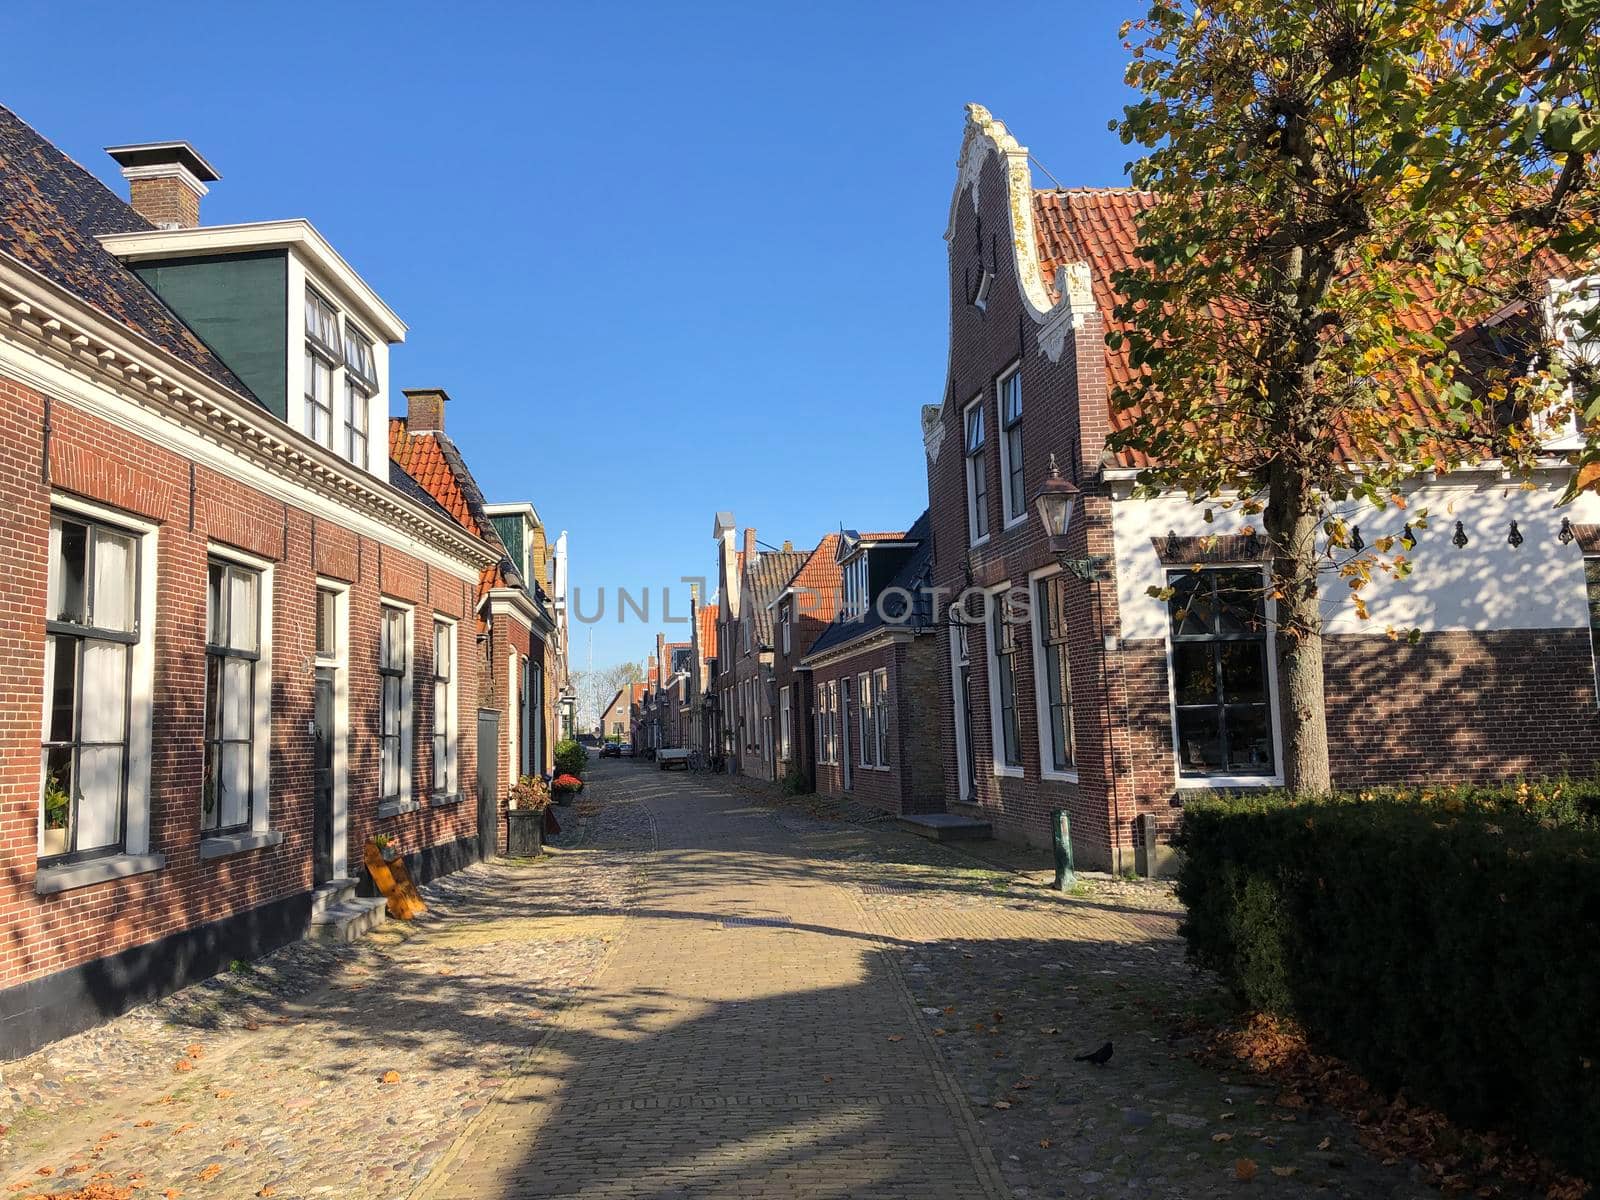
<point x="666" y="258"/>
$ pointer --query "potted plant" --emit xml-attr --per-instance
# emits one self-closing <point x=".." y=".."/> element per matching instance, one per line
<point x="387" y="846"/>
<point x="57" y="811"/>
<point x="565" y="787"/>
<point x="527" y="802"/>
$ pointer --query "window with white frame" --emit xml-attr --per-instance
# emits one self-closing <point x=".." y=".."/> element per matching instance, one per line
<point x="977" y="473"/>
<point x="785" y="616"/>
<point x="233" y="652"/>
<point x="880" y="703"/>
<point x="1002" y="661"/>
<point x="324" y="354"/>
<point x="1012" y="493"/>
<point x="856" y="586"/>
<point x="1054" y="683"/>
<point x="822" y="723"/>
<point x="867" y="719"/>
<point x="91" y="628"/>
<point x="1220" y="672"/>
<point x="394" y="670"/>
<point x="444" y="708"/>
<point x="785" y="732"/>
<point x="360" y="385"/>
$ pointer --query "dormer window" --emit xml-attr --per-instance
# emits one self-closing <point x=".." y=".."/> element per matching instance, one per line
<point x="855" y="587"/>
<point x="322" y="326"/>
<point x="360" y="382"/>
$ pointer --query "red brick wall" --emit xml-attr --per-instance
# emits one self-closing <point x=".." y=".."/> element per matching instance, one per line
<point x="1063" y="414"/>
<point x="910" y="782"/>
<point x="43" y="934"/>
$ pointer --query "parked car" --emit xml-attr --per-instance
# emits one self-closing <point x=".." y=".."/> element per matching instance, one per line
<point x="611" y="750"/>
<point x="673" y="756"/>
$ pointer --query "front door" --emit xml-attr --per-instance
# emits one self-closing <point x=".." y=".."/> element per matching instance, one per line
<point x="844" y="733"/>
<point x="322" y="780"/>
<point x="488" y="783"/>
<point x="963" y="698"/>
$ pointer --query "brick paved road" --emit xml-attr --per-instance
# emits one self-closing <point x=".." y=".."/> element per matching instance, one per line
<point x="745" y="1039"/>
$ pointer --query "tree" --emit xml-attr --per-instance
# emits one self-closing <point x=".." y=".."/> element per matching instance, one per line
<point x="596" y="689"/>
<point x="1337" y="204"/>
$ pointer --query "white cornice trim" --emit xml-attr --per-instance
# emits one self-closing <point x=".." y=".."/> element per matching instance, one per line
<point x="168" y="171"/>
<point x="884" y="635"/>
<point x="516" y="602"/>
<point x="52" y="341"/>
<point x="296" y="234"/>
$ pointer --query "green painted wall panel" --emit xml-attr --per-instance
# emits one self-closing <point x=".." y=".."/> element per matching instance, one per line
<point x="510" y="530"/>
<point x="237" y="303"/>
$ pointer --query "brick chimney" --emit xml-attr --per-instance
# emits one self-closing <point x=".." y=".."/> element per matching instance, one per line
<point x="661" y="656"/>
<point x="165" y="181"/>
<point x="425" y="409"/>
<point x="749" y="543"/>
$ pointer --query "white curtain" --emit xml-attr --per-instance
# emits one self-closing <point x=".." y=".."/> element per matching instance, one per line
<point x="104" y="718"/>
<point x="113" y="581"/>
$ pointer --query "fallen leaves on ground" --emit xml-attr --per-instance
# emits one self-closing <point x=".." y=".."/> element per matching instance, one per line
<point x="897" y="1037"/>
<point x="1001" y="1104"/>
<point x="195" y="1050"/>
<point x="1244" y="1169"/>
<point x="390" y="1077"/>
<point x="210" y="1173"/>
<point x="183" y="1064"/>
<point x="1455" y="1160"/>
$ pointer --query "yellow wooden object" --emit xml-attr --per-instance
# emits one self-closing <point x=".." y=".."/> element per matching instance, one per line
<point x="394" y="882"/>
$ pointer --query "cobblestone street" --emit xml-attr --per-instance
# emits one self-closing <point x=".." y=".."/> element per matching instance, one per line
<point x="697" y="994"/>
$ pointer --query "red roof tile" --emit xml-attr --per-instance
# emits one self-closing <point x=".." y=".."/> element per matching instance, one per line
<point x="820" y="578"/>
<point x="706" y="621"/>
<point x="419" y="456"/>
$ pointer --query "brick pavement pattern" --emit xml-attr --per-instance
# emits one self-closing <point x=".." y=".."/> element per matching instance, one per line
<point x="748" y="1037"/>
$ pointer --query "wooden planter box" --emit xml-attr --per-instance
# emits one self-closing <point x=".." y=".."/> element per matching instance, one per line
<point x="524" y="833"/>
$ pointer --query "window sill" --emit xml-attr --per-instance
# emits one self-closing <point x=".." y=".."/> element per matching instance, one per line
<point x="1005" y="772"/>
<point x="97" y="870"/>
<point x="1202" y="783"/>
<point x="1014" y="522"/>
<point x="1054" y="776"/>
<point x="393" y="808"/>
<point x="239" y="843"/>
<point x="444" y="801"/>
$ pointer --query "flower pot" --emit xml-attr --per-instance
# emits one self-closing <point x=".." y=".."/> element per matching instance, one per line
<point x="55" y="842"/>
<point x="524" y="833"/>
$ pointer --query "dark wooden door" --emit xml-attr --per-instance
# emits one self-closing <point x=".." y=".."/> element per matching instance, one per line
<point x="322" y="780"/>
<point x="488" y="783"/>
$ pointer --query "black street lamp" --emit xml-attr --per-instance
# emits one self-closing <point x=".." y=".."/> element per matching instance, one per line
<point x="1054" y="502"/>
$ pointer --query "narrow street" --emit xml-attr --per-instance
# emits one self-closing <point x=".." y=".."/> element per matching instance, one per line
<point x="695" y="994"/>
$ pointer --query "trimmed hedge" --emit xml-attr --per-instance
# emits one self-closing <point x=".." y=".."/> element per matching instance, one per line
<point x="570" y="758"/>
<point x="1447" y="944"/>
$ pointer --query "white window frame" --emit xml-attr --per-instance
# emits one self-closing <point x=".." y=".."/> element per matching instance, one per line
<point x="866" y="715"/>
<point x="993" y="609"/>
<point x="785" y="725"/>
<point x="141" y="687"/>
<point x="972" y="463"/>
<point x="1041" y="689"/>
<point x="452" y="729"/>
<point x="261" y="732"/>
<point x="785" y="616"/>
<point x="403" y="800"/>
<point x="856" y="586"/>
<point x="513" y="719"/>
<point x="1010" y="516"/>
<point x="1212" y="782"/>
<point x="963" y="749"/>
<point x="339" y="662"/>
<point x="880" y="706"/>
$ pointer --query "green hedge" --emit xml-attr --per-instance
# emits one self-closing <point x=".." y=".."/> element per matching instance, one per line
<point x="1445" y="944"/>
<point x="570" y="758"/>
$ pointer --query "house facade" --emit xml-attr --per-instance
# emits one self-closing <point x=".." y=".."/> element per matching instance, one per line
<point x="800" y="613"/>
<point x="874" y="677"/>
<point x="250" y="635"/>
<point x="1093" y="696"/>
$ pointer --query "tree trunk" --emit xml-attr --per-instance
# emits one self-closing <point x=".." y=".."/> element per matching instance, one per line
<point x="1292" y="521"/>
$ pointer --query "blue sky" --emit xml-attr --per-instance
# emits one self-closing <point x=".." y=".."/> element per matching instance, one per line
<point x="667" y="259"/>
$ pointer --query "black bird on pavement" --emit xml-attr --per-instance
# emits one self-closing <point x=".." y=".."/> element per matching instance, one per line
<point x="1099" y="1058"/>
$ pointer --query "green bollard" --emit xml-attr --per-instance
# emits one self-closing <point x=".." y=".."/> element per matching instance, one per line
<point x="1061" y="830"/>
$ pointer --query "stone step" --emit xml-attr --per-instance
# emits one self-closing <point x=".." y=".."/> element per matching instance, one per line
<point x="946" y="827"/>
<point x="349" y="919"/>
<point x="335" y="891"/>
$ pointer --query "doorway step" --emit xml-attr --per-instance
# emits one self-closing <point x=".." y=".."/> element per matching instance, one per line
<point x="339" y="915"/>
<point x="947" y="827"/>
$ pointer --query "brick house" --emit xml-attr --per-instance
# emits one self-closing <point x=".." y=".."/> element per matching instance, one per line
<point x="749" y="580"/>
<point x="615" y="721"/>
<point x="800" y="613"/>
<point x="1106" y="702"/>
<point x="254" y="631"/>
<point x="704" y="732"/>
<point x="514" y="629"/>
<point x="874" y="673"/>
<point x="537" y="587"/>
